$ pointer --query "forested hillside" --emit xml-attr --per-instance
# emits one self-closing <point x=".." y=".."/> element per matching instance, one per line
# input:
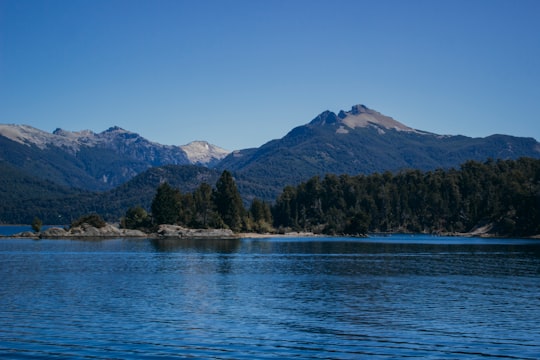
<point x="505" y="193"/>
<point x="501" y="196"/>
<point x="24" y="197"/>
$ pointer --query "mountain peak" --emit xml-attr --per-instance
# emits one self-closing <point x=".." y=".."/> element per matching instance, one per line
<point x="358" y="109"/>
<point x="325" y="118"/>
<point x="74" y="134"/>
<point x="115" y="129"/>
<point x="362" y="116"/>
<point x="202" y="152"/>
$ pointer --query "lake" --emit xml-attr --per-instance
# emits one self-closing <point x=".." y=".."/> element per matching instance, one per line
<point x="327" y="298"/>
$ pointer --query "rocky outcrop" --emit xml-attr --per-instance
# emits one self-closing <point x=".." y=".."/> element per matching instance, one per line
<point x="175" y="231"/>
<point x="88" y="231"/>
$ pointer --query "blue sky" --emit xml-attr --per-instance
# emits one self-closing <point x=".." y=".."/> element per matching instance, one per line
<point x="240" y="73"/>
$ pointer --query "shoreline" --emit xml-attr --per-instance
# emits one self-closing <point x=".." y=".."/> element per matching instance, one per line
<point x="213" y="236"/>
<point x="109" y="231"/>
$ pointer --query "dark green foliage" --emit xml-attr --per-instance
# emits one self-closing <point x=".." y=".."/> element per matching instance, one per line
<point x="204" y="208"/>
<point x="37" y="224"/>
<point x="505" y="193"/>
<point x="204" y="213"/>
<point x="261" y="216"/>
<point x="94" y="220"/>
<point x="137" y="218"/>
<point x="23" y="196"/>
<point x="228" y="202"/>
<point x="166" y="205"/>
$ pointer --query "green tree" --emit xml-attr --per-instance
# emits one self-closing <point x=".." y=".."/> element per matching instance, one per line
<point x="285" y="210"/>
<point x="136" y="218"/>
<point x="261" y="215"/>
<point x="166" y="205"/>
<point x="358" y="224"/>
<point x="37" y="224"/>
<point x="228" y="202"/>
<point x="204" y="213"/>
<point x="94" y="220"/>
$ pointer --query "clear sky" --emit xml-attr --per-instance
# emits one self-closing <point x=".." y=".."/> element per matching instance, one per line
<point x="240" y="73"/>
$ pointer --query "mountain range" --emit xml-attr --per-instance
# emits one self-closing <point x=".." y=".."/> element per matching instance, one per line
<point x="363" y="141"/>
<point x="93" y="161"/>
<point x="358" y="141"/>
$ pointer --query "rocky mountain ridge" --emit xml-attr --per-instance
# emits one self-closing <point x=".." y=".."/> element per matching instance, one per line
<point x="361" y="116"/>
<point x="358" y="141"/>
<point x="94" y="161"/>
<point x="116" y="138"/>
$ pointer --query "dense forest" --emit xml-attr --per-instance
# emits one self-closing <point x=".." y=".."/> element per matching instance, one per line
<point x="206" y="207"/>
<point x="503" y="193"/>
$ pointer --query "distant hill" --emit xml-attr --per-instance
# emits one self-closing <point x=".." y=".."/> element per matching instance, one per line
<point x="25" y="196"/>
<point x="361" y="141"/>
<point x="93" y="161"/>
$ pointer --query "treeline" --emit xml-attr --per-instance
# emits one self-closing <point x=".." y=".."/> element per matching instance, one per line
<point x="206" y="207"/>
<point x="505" y="193"/>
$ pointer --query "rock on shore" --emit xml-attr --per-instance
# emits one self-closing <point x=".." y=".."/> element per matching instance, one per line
<point x="175" y="231"/>
<point x="88" y="231"/>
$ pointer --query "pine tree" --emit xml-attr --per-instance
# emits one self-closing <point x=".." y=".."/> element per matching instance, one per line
<point x="228" y="201"/>
<point x="204" y="214"/>
<point x="166" y="205"/>
<point x="261" y="215"/>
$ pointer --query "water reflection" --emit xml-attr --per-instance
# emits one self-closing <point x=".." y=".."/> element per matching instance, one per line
<point x="221" y="246"/>
<point x="270" y="298"/>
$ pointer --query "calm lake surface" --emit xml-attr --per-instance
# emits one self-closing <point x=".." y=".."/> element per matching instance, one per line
<point x="328" y="298"/>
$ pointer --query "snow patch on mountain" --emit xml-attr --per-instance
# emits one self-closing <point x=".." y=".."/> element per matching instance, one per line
<point x="201" y="152"/>
<point x="121" y="140"/>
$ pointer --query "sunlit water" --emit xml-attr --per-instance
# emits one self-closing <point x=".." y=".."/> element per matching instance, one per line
<point x="394" y="297"/>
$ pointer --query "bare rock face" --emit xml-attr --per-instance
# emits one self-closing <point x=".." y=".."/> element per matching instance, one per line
<point x="54" y="232"/>
<point x="203" y="153"/>
<point x="88" y="231"/>
<point x="175" y="231"/>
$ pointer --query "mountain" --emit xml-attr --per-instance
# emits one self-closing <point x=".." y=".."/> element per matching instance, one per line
<point x="43" y="174"/>
<point x="94" y="161"/>
<point x="204" y="154"/>
<point x="361" y="141"/>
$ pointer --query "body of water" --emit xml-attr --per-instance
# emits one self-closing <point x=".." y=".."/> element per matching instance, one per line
<point x="328" y="298"/>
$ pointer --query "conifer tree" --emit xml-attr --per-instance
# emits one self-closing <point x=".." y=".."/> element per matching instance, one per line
<point x="204" y="214"/>
<point x="166" y="205"/>
<point x="228" y="201"/>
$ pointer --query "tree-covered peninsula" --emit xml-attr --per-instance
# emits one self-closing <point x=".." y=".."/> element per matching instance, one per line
<point x="501" y="196"/>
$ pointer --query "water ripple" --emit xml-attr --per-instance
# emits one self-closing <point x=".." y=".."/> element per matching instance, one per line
<point x="283" y="299"/>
